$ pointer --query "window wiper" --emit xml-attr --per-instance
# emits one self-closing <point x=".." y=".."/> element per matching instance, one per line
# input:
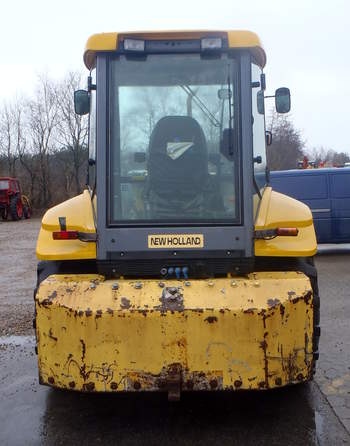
<point x="201" y="105"/>
<point x="229" y="112"/>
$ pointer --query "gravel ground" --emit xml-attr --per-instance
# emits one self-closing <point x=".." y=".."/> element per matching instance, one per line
<point x="18" y="276"/>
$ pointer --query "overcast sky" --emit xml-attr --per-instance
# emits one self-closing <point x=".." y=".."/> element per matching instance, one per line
<point x="306" y="41"/>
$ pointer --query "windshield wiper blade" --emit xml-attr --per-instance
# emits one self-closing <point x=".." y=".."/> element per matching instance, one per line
<point x="229" y="112"/>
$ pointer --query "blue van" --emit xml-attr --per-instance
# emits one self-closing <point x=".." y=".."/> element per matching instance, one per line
<point x="326" y="192"/>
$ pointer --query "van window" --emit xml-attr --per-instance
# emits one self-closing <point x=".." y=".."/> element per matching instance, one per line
<point x="340" y="185"/>
<point x="303" y="187"/>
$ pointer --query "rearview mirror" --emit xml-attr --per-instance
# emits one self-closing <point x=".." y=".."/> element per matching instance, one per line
<point x="81" y="102"/>
<point x="260" y="102"/>
<point x="282" y="100"/>
<point x="228" y="144"/>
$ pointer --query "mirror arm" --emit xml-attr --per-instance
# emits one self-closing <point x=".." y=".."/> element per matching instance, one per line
<point x="91" y="86"/>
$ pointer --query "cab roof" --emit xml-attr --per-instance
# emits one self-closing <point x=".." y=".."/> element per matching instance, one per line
<point x="110" y="42"/>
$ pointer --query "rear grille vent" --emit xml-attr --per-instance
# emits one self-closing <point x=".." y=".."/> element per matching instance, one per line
<point x="196" y="268"/>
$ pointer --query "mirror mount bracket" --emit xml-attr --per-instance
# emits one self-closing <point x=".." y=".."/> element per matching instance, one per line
<point x="91" y="86"/>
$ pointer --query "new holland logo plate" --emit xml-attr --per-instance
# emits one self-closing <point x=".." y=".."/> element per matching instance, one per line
<point x="176" y="241"/>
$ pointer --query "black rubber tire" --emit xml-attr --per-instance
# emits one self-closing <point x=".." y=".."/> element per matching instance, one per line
<point x="26" y="212"/>
<point x="13" y="208"/>
<point x="4" y="213"/>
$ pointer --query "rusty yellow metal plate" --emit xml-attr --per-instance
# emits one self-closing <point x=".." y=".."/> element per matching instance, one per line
<point x="252" y="332"/>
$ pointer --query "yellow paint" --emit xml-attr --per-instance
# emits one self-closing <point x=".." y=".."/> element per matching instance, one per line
<point x="252" y="332"/>
<point x="79" y="217"/>
<point x="274" y="210"/>
<point x="278" y="210"/>
<point x="236" y="39"/>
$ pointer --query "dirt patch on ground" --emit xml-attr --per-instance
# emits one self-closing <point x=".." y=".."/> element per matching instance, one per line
<point x="16" y="320"/>
<point x="18" y="275"/>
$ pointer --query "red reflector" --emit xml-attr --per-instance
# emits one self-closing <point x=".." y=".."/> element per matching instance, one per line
<point x="291" y="232"/>
<point x="65" y="235"/>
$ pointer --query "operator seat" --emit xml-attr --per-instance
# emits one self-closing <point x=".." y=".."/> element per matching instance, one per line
<point x="177" y="169"/>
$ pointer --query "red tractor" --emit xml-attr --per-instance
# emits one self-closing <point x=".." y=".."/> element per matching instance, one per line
<point x="12" y="202"/>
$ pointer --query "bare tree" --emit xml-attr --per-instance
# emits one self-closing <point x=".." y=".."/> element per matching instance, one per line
<point x="42" y="123"/>
<point x="325" y="156"/>
<point x="72" y="129"/>
<point x="287" y="144"/>
<point x="11" y="133"/>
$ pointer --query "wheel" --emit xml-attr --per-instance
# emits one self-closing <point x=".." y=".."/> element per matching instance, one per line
<point x="27" y="212"/>
<point x="16" y="208"/>
<point x="4" y="214"/>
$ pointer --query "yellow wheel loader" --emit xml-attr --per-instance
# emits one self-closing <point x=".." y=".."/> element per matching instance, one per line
<point x="178" y="268"/>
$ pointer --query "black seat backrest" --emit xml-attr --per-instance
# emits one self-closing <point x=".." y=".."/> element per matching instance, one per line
<point x="185" y="176"/>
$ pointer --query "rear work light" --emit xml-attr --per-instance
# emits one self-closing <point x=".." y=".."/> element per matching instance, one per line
<point x="134" y="45"/>
<point x="65" y="235"/>
<point x="211" y="43"/>
<point x="75" y="235"/>
<point x="289" y="232"/>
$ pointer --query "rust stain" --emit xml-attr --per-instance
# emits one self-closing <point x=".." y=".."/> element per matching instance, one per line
<point x="213" y="383"/>
<point x="88" y="387"/>
<point x="263" y="346"/>
<point x="282" y="310"/>
<point x="50" y="335"/>
<point x="290" y="366"/>
<point x="291" y="294"/>
<point x="143" y="312"/>
<point x="83" y="350"/>
<point x="48" y="301"/>
<point x="250" y="311"/>
<point x="273" y="302"/>
<point x="278" y="381"/>
<point x="173" y="378"/>
<point x="308" y="297"/>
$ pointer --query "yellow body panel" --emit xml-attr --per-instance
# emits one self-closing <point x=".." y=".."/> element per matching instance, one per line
<point x="274" y="210"/>
<point x="278" y="210"/>
<point x="79" y="217"/>
<point x="236" y="39"/>
<point x="253" y="332"/>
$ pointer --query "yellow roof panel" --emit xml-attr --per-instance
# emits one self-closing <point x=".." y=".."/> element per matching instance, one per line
<point x="236" y="39"/>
